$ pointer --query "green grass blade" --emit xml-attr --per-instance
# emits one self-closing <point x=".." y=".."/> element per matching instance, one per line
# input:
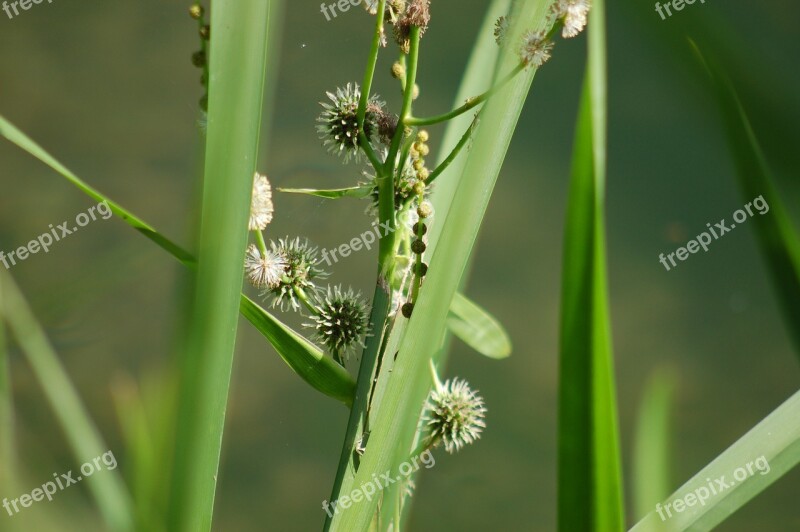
<point x="477" y="328"/>
<point x="146" y="414"/>
<point x="335" y="193"/>
<point x="328" y="377"/>
<point x="589" y="463"/>
<point x="302" y="356"/>
<point x="108" y="488"/>
<point x="395" y="421"/>
<point x="13" y="134"/>
<point x="651" y="482"/>
<point x="770" y="449"/>
<point x="777" y="238"/>
<point x="7" y="428"/>
<point x="237" y="69"/>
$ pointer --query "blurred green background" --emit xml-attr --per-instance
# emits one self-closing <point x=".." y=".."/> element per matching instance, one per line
<point x="109" y="89"/>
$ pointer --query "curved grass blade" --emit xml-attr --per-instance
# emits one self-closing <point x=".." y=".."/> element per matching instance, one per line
<point x="477" y="328"/>
<point x="777" y="238"/>
<point x="358" y="192"/>
<point x="589" y="470"/>
<point x="651" y="482"/>
<point x="301" y="355"/>
<point x="86" y="443"/>
<point x="9" y="131"/>
<point x="748" y="467"/>
<point x="326" y="376"/>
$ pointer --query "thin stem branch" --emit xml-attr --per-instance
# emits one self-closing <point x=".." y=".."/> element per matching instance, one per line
<point x="471" y="103"/>
<point x="366" y="86"/>
<point x="262" y="245"/>
<point x="453" y="154"/>
<point x="370" y="152"/>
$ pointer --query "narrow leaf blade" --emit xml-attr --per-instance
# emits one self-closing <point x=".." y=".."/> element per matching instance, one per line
<point x="477" y="328"/>
<point x="771" y="449"/>
<point x="358" y="192"/>
<point x="779" y="242"/>
<point x="651" y="444"/>
<point x="85" y="441"/>
<point x="589" y="470"/>
<point x="301" y="355"/>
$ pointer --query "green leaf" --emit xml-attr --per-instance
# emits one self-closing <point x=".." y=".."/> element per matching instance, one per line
<point x="477" y="328"/>
<point x="393" y="424"/>
<point x="86" y="443"/>
<point x="651" y="482"/>
<point x="589" y="471"/>
<point x="769" y="450"/>
<point x="237" y="66"/>
<point x="301" y="355"/>
<point x="333" y="379"/>
<point x="777" y="238"/>
<point x="358" y="192"/>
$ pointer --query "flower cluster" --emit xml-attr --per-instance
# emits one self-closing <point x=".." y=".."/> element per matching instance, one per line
<point x="288" y="272"/>
<point x="537" y="45"/>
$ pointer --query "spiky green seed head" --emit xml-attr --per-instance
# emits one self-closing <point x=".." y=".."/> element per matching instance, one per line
<point x="342" y="321"/>
<point x="338" y="124"/>
<point x="455" y="415"/>
<point x="301" y="272"/>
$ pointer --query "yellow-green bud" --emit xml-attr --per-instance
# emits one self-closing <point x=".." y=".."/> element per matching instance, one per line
<point x="196" y="11"/>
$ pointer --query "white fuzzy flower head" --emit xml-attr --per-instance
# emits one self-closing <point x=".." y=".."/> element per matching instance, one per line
<point x="574" y="13"/>
<point x="261" y="208"/>
<point x="536" y="48"/>
<point x="264" y="271"/>
<point x="455" y="415"/>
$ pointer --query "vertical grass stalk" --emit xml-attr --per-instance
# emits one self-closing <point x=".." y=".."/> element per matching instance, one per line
<point x="236" y="90"/>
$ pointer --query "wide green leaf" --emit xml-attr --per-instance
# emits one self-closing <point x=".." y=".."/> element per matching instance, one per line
<point x="744" y="470"/>
<point x="236" y="91"/>
<point x="477" y="328"/>
<point x="85" y="441"/>
<point x="589" y="471"/>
